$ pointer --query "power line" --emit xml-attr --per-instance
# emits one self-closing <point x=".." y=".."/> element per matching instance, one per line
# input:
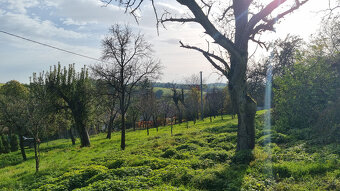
<point x="50" y="46"/>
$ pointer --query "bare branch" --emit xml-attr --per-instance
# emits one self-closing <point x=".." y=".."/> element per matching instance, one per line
<point x="210" y="28"/>
<point x="262" y="15"/>
<point x="224" y="13"/>
<point x="208" y="56"/>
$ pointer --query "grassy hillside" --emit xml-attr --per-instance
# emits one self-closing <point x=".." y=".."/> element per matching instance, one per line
<point x="200" y="157"/>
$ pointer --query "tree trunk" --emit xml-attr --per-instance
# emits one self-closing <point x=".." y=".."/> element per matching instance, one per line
<point x="36" y="154"/>
<point x="122" y="144"/>
<point x="72" y="137"/>
<point x="147" y="129"/>
<point x="171" y="128"/>
<point x="244" y="105"/>
<point x="109" y="131"/>
<point x="22" y="149"/>
<point x="83" y="134"/>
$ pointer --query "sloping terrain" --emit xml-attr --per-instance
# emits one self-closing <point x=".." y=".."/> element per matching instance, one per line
<point x="198" y="157"/>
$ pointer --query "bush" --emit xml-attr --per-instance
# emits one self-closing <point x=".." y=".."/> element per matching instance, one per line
<point x="217" y="156"/>
<point x="131" y="171"/>
<point x="243" y="157"/>
<point x="14" y="143"/>
<point x="274" y="137"/>
<point x="115" y="164"/>
<point x="169" y="153"/>
<point x="209" y="179"/>
<point x="5" y="143"/>
<point x="188" y="147"/>
<point x="2" y="149"/>
<point x="79" y="178"/>
<point x="303" y="92"/>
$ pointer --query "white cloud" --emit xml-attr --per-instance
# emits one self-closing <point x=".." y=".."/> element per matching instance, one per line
<point x="70" y="21"/>
<point x="90" y="11"/>
<point x="23" y="24"/>
<point x="19" y="6"/>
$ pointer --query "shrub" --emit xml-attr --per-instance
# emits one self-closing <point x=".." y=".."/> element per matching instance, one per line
<point x="131" y="171"/>
<point x="209" y="179"/>
<point x="2" y="149"/>
<point x="202" y="164"/>
<point x="188" y="147"/>
<point x="114" y="185"/>
<point x="243" y="157"/>
<point x="115" y="164"/>
<point x="5" y="143"/>
<point x="79" y="178"/>
<point x="217" y="156"/>
<point x="274" y="137"/>
<point x="14" y="143"/>
<point x="169" y="153"/>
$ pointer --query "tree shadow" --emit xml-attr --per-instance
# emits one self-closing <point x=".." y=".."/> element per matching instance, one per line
<point x="12" y="159"/>
<point x="228" y="128"/>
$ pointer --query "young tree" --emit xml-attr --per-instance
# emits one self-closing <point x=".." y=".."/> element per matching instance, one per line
<point x="231" y="29"/>
<point x="166" y="108"/>
<point x="39" y="113"/>
<point x="147" y="104"/>
<point x="126" y="61"/>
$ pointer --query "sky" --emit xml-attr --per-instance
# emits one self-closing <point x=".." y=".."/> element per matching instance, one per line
<point x="80" y="25"/>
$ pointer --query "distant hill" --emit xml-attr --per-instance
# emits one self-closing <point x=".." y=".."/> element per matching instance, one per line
<point x="187" y="86"/>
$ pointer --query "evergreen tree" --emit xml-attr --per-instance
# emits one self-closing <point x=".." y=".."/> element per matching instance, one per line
<point x="5" y="144"/>
<point x="2" y="149"/>
<point x="14" y="143"/>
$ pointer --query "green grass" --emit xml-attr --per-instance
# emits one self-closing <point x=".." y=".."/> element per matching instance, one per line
<point x="200" y="157"/>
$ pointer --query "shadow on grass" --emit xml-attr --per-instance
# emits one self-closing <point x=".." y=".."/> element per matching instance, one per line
<point x="228" y="128"/>
<point x="226" y="178"/>
<point x="11" y="159"/>
<point x="48" y="148"/>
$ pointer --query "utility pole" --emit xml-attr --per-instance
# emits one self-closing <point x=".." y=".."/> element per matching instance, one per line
<point x="202" y="116"/>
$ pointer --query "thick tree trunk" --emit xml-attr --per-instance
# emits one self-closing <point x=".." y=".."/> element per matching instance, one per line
<point x="22" y="148"/>
<point x="83" y="134"/>
<point x="243" y="104"/>
<point x="246" y="125"/>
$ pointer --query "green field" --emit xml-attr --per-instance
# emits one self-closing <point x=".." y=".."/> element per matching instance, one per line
<point x="200" y="157"/>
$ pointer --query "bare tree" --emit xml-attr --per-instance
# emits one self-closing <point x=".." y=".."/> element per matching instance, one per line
<point x="244" y="21"/>
<point x="126" y="61"/>
<point x="39" y="113"/>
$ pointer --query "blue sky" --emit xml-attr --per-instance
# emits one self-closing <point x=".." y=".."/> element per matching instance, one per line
<point x="79" y="26"/>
